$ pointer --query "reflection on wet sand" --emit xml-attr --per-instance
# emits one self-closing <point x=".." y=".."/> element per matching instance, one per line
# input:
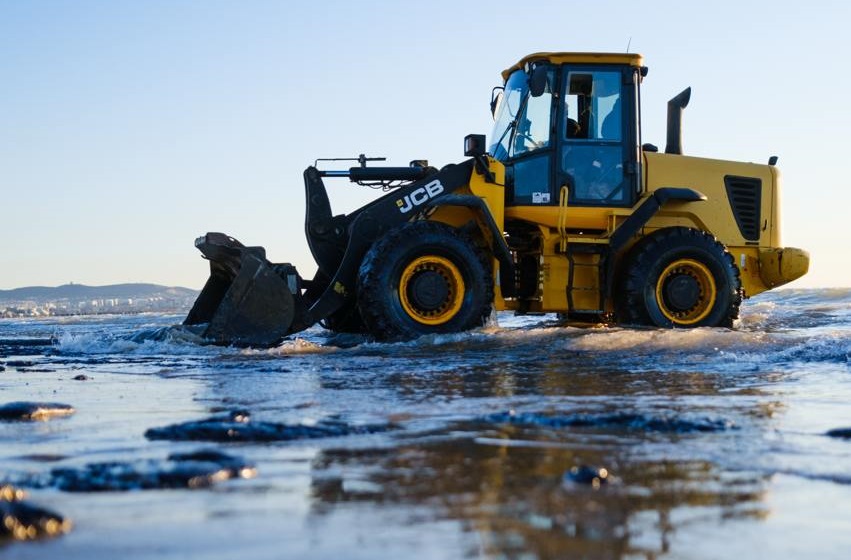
<point x="516" y="497"/>
<point x="505" y="476"/>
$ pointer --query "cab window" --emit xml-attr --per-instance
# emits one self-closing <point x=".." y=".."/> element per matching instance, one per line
<point x="592" y="153"/>
<point x="533" y="124"/>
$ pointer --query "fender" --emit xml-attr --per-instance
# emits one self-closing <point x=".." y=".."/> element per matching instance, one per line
<point x="639" y="218"/>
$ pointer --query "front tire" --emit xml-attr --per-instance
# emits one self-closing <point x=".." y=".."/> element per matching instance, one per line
<point x="422" y="278"/>
<point x="680" y="277"/>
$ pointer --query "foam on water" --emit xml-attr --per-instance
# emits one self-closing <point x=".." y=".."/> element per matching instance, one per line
<point x="293" y="347"/>
<point x="718" y="349"/>
<point x="778" y="327"/>
<point x="470" y="337"/>
<point x="170" y="340"/>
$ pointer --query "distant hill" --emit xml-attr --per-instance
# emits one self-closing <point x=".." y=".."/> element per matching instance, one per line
<point x="81" y="291"/>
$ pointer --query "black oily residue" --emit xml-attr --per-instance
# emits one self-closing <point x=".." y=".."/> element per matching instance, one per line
<point x="23" y="410"/>
<point x="625" y="420"/>
<point x="20" y="363"/>
<point x="22" y="520"/>
<point x="238" y="426"/>
<point x="199" y="469"/>
<point x="843" y="433"/>
<point x="585" y="474"/>
<point x="26" y="342"/>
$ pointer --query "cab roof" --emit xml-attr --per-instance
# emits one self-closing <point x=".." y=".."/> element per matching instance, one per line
<point x="576" y="58"/>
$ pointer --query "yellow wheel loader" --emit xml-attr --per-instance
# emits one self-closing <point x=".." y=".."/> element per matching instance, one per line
<point x="565" y="211"/>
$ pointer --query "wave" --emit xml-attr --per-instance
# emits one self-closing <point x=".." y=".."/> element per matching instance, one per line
<point x="296" y="346"/>
<point x="637" y="348"/>
<point x="797" y="309"/>
<point x="707" y="347"/>
<point x="782" y="327"/>
<point x="809" y="295"/>
<point x="172" y="339"/>
<point x="176" y="339"/>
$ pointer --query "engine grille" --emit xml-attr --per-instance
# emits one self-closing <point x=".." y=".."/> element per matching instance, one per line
<point x="745" y="195"/>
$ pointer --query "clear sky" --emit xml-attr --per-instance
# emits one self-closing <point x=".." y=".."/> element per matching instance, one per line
<point x="127" y="129"/>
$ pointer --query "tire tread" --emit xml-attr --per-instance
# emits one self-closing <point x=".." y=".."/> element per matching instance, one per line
<point x="631" y="306"/>
<point x="372" y="297"/>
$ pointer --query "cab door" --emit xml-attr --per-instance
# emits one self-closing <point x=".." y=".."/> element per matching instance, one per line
<point x="597" y="157"/>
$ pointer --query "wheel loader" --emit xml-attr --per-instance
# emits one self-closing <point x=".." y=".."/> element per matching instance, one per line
<point x="564" y="211"/>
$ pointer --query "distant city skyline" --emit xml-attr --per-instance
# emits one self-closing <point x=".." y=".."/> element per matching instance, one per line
<point x="127" y="129"/>
<point x="75" y="299"/>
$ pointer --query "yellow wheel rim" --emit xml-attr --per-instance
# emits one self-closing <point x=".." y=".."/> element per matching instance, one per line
<point x="686" y="292"/>
<point x="431" y="290"/>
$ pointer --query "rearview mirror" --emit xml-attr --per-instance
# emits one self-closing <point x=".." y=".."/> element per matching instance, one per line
<point x="538" y="81"/>
<point x="496" y="96"/>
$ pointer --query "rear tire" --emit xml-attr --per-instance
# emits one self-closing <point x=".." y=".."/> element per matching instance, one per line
<point x="423" y="278"/>
<point x="680" y="277"/>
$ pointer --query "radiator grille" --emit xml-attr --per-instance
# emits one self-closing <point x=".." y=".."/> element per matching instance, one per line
<point x="745" y="195"/>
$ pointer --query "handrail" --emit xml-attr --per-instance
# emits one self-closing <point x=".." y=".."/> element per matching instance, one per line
<point x="562" y="217"/>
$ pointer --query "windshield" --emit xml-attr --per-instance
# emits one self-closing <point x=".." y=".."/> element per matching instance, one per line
<point x="506" y="114"/>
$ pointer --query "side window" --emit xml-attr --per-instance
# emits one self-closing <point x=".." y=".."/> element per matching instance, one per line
<point x="593" y="106"/>
<point x="592" y="154"/>
<point x="533" y="124"/>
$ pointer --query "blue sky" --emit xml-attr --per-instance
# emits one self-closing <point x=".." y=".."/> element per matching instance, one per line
<point x="127" y="129"/>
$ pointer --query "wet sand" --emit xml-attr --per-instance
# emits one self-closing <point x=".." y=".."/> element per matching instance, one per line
<point x="714" y="442"/>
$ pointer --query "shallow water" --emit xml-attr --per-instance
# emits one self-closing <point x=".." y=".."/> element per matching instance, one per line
<point x="714" y="440"/>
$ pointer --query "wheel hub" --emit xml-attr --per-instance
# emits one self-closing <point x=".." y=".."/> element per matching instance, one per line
<point x="428" y="290"/>
<point x="682" y="292"/>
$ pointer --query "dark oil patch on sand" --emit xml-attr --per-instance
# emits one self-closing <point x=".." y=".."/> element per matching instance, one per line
<point x="23" y="410"/>
<point x="622" y="420"/>
<point x="22" y="520"/>
<point x="199" y="469"/>
<point x="238" y="426"/>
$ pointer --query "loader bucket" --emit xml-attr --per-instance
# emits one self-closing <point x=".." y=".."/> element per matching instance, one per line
<point x="247" y="301"/>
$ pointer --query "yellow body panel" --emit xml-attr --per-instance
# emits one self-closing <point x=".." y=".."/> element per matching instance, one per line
<point x="707" y="177"/>
<point x="587" y="219"/>
<point x="715" y="215"/>
<point x="492" y="193"/>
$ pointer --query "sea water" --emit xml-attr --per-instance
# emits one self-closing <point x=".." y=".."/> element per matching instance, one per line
<point x="714" y="442"/>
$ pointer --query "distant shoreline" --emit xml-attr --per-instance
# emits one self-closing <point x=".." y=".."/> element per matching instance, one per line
<point x="71" y="300"/>
<point x="99" y="313"/>
<point x="77" y="290"/>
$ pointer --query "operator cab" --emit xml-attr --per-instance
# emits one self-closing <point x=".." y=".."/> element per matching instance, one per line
<point x="568" y="119"/>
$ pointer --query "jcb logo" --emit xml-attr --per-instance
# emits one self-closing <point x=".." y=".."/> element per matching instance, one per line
<point x="419" y="196"/>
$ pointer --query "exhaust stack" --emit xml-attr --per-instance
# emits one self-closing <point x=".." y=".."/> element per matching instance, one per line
<point x="675" y="121"/>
